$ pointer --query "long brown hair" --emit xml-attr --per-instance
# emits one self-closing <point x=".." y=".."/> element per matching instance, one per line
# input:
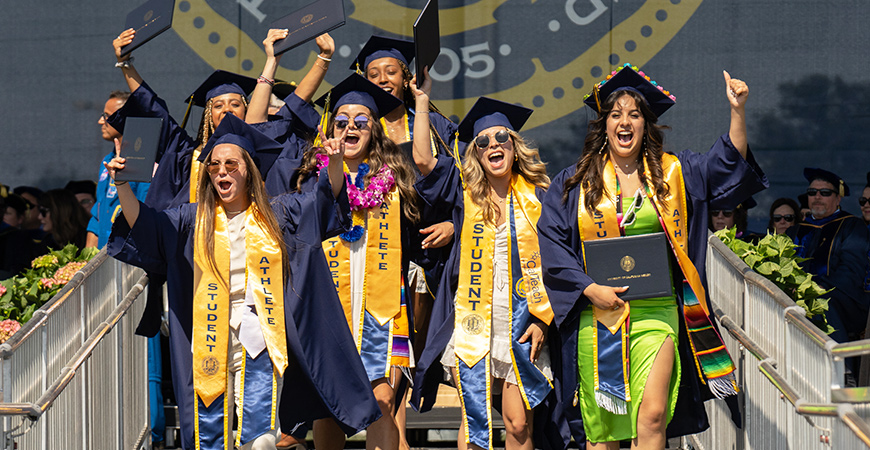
<point x="69" y="221"/>
<point x="207" y="201"/>
<point x="527" y="163"/>
<point x="382" y="150"/>
<point x="590" y="166"/>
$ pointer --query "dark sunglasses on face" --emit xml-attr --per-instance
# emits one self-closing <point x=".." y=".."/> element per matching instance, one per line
<point x="360" y="122"/>
<point x="214" y="167"/>
<point x="811" y="192"/>
<point x="725" y="212"/>
<point x="863" y="201"/>
<point x="43" y="211"/>
<point x="482" y="140"/>
<point x="787" y="217"/>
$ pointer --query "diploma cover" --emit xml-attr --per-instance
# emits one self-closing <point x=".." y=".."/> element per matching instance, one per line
<point x="139" y="147"/>
<point x="308" y="22"/>
<point x="149" y="20"/>
<point x="639" y="262"/>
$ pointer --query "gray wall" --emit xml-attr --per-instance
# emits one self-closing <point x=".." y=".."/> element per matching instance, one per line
<point x="805" y="62"/>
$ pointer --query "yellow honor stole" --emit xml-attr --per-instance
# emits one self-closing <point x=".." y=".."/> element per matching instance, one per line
<point x="211" y="302"/>
<point x="383" y="269"/>
<point x="473" y="317"/>
<point x="711" y="358"/>
<point x="195" y="166"/>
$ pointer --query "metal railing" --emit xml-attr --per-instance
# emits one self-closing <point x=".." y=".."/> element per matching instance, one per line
<point x="75" y="376"/>
<point x="790" y="372"/>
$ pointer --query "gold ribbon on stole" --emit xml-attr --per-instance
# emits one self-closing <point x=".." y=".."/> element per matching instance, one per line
<point x="474" y="292"/>
<point x="211" y="301"/>
<point x="601" y="225"/>
<point x="383" y="269"/>
<point x="526" y="217"/>
<point x="195" y="165"/>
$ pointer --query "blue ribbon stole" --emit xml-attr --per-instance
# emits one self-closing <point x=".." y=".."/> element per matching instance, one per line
<point x="258" y="394"/>
<point x="375" y="346"/>
<point x="474" y="382"/>
<point x="612" y="393"/>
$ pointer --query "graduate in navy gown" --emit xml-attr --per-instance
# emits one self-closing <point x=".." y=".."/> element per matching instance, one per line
<point x="230" y="259"/>
<point x="623" y="155"/>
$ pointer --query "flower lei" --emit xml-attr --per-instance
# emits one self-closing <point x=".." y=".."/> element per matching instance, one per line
<point x="362" y="197"/>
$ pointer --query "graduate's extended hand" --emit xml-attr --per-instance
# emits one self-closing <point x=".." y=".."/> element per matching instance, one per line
<point x="117" y="162"/>
<point x="605" y="297"/>
<point x="439" y="234"/>
<point x="422" y="93"/>
<point x="537" y="331"/>
<point x="326" y="45"/>
<point x="123" y="39"/>
<point x="736" y="90"/>
<point x="274" y="35"/>
<point x="333" y="147"/>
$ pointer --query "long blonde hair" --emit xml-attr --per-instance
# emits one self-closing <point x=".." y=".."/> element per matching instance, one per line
<point x="256" y="191"/>
<point x="527" y="164"/>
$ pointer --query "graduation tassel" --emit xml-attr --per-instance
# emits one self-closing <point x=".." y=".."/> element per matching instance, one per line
<point x="456" y="158"/>
<point x="187" y="113"/>
<point x="323" y="119"/>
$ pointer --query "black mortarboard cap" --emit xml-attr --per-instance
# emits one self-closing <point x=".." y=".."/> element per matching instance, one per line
<point x="814" y="173"/>
<point x="383" y="47"/>
<point x="629" y="78"/>
<point x="232" y="130"/>
<point x="82" y="187"/>
<point x="356" y="90"/>
<point x="222" y="82"/>
<point x="488" y="112"/>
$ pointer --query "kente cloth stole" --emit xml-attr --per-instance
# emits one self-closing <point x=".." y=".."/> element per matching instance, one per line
<point x="408" y="121"/>
<point x="383" y="270"/>
<point x="211" y="302"/>
<point x="195" y="165"/>
<point x="258" y="393"/>
<point x="715" y="366"/>
<point x="472" y="328"/>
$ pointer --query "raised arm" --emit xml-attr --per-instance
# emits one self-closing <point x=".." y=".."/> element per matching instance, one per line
<point x="129" y="202"/>
<point x="334" y="148"/>
<point x="737" y="92"/>
<point x="131" y="76"/>
<point x="422" y="137"/>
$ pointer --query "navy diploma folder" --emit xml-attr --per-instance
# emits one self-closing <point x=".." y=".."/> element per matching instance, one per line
<point x="149" y="20"/>
<point x="139" y="148"/>
<point x="640" y="262"/>
<point x="308" y="22"/>
<point x="427" y="38"/>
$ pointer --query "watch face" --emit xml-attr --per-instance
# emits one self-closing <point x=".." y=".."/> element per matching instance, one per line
<point x="543" y="55"/>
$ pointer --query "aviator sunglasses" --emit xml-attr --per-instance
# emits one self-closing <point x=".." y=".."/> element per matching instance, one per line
<point x="482" y="140"/>
<point x="360" y="122"/>
<point x="214" y="167"/>
<point x="787" y="217"/>
<point x="811" y="192"/>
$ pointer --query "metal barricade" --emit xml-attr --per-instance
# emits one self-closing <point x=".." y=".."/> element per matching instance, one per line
<point x="789" y="371"/>
<point x="75" y="375"/>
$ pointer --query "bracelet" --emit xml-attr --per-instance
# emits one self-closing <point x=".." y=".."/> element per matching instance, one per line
<point x="125" y="64"/>
<point x="262" y="79"/>
<point x="324" y="58"/>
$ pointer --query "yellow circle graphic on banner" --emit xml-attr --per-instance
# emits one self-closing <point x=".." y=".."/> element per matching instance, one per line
<point x="553" y="94"/>
<point x="472" y="324"/>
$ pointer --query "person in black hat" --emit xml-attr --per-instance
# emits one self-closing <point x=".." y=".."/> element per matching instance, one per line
<point x="491" y="312"/>
<point x="222" y="93"/>
<point x="368" y="263"/>
<point x="837" y="245"/>
<point x="624" y="184"/>
<point x="248" y="294"/>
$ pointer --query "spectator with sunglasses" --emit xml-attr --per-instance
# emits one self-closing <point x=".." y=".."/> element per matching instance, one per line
<point x="837" y="245"/>
<point x="784" y="213"/>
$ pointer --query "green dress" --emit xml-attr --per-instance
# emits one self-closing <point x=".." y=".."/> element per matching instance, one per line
<point x="651" y="321"/>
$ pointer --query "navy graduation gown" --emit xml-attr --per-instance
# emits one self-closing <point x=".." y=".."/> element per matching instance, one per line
<point x="722" y="176"/>
<point x="325" y="377"/>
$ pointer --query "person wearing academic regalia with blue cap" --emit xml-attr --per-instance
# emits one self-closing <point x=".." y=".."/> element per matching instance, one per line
<point x="624" y="363"/>
<point x="220" y="94"/>
<point x="249" y="302"/>
<point x="368" y="263"/>
<point x="489" y="324"/>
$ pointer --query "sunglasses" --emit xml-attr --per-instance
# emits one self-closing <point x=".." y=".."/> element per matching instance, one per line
<point x="787" y="217"/>
<point x="482" y="140"/>
<point x="360" y="122"/>
<point x="811" y="192"/>
<point x="724" y="212"/>
<point x="863" y="201"/>
<point x="43" y="211"/>
<point x="214" y="167"/>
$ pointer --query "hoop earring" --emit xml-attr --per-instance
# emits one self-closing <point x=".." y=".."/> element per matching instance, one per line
<point x="603" y="146"/>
